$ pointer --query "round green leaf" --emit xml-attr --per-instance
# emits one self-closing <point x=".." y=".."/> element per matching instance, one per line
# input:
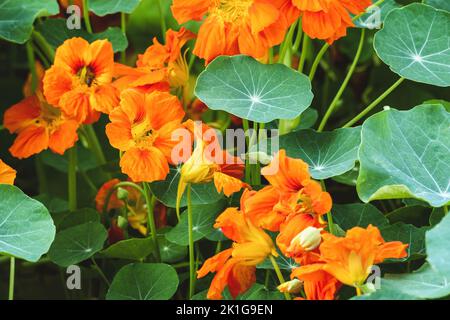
<point x="77" y="244"/>
<point x="17" y="17"/>
<point x="26" y="228"/>
<point x="403" y="155"/>
<point x="328" y="154"/>
<point x="103" y="7"/>
<point x="254" y="91"/>
<point x="82" y="216"/>
<point x="415" y="43"/>
<point x="203" y="219"/>
<point x="437" y="241"/>
<point x="55" y="31"/>
<point x="439" y="4"/>
<point x="131" y="249"/>
<point x="170" y="252"/>
<point x="144" y="281"/>
<point x="166" y="191"/>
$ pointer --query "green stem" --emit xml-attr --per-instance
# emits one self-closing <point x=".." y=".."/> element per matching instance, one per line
<point x="162" y="19"/>
<point x="72" y="179"/>
<point x="247" y="139"/>
<point x="40" y="173"/>
<point x="12" y="274"/>
<point x="305" y="46"/>
<point x="331" y="226"/>
<point x="32" y="66"/>
<point x="150" y="199"/>
<point x="47" y="50"/>
<point x="287" y="43"/>
<point x="87" y="21"/>
<point x="119" y="185"/>
<point x="317" y="60"/>
<point x="123" y="25"/>
<point x="345" y="83"/>
<point x="100" y="272"/>
<point x="191" y="245"/>
<point x="298" y="38"/>
<point x="94" y="144"/>
<point x="279" y="275"/>
<point x="374" y="104"/>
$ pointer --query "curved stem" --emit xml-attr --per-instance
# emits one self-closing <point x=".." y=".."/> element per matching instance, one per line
<point x="317" y="60"/>
<point x="100" y="272"/>
<point x="117" y="186"/>
<point x="151" y="201"/>
<point x="374" y="104"/>
<point x="32" y="66"/>
<point x="345" y="83"/>
<point x="191" y="245"/>
<point x="162" y="19"/>
<point x="94" y="144"/>
<point x="279" y="275"/>
<point x="305" y="46"/>
<point x="72" y="179"/>
<point x="87" y="22"/>
<point x="12" y="274"/>
<point x="287" y="43"/>
<point x="47" y="50"/>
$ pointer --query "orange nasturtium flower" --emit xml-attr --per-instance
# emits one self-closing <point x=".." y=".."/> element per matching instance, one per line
<point x="350" y="259"/>
<point x="141" y="127"/>
<point x="329" y="19"/>
<point x="38" y="124"/>
<point x="235" y="267"/>
<point x="233" y="27"/>
<point x="7" y="174"/>
<point x="160" y="67"/>
<point x="80" y="80"/>
<point x="137" y="214"/>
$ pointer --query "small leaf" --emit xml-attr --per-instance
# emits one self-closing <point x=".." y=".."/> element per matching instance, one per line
<point x="402" y="155"/>
<point x="86" y="160"/>
<point x="131" y="249"/>
<point x="166" y="191"/>
<point x="26" y="228"/>
<point x="103" y="7"/>
<point x="17" y="17"/>
<point x="77" y="244"/>
<point x="144" y="281"/>
<point x="415" y="43"/>
<point x="254" y="91"/>
<point x="171" y="252"/>
<point x="203" y="216"/>
<point x="55" y="31"/>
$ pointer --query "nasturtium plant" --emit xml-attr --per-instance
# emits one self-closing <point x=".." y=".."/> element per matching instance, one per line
<point x="26" y="228"/>
<point x="17" y="17"/>
<point x="251" y="90"/>
<point x="397" y="162"/>
<point x="415" y="45"/>
<point x="224" y="150"/>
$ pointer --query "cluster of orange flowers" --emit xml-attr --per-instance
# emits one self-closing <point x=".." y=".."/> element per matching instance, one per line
<point x="292" y="206"/>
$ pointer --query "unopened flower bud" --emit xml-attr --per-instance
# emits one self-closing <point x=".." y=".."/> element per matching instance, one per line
<point x="122" y="194"/>
<point x="294" y="286"/>
<point x="309" y="239"/>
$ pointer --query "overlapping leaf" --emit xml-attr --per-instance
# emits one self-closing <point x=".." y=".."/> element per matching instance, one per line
<point x="254" y="91"/>
<point x="103" y="7"/>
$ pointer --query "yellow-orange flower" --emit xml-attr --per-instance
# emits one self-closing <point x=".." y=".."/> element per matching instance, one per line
<point x="141" y="127"/>
<point x="7" y="174"/>
<point x="79" y="82"/>
<point x="38" y="124"/>
<point x="328" y="19"/>
<point x="317" y="283"/>
<point x="160" y="67"/>
<point x="233" y="27"/>
<point x="350" y="259"/>
<point x="235" y="267"/>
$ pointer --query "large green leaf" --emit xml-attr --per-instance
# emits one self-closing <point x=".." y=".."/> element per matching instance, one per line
<point x="103" y="7"/>
<point x="26" y="228"/>
<point x="408" y="234"/>
<point x="131" y="249"/>
<point x="203" y="219"/>
<point x="328" y="154"/>
<point x="425" y="283"/>
<point x="17" y="17"/>
<point x="144" y="281"/>
<point x="404" y="154"/>
<point x="437" y="240"/>
<point x="254" y="91"/>
<point x="361" y="215"/>
<point x="415" y="43"/>
<point x="170" y="252"/>
<point x="439" y="4"/>
<point x="166" y="191"/>
<point x="56" y="32"/>
<point x="85" y="159"/>
<point x="77" y="244"/>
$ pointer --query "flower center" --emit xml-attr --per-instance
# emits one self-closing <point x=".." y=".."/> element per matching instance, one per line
<point x="143" y="134"/>
<point x="50" y="117"/>
<point x="86" y="75"/>
<point x="232" y="10"/>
